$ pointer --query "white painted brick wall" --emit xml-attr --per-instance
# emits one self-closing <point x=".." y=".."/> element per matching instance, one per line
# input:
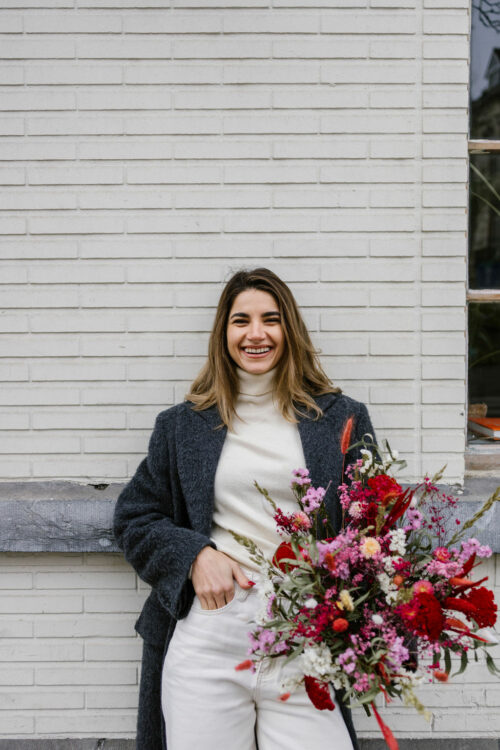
<point x="147" y="153"/>
<point x="326" y="142"/>
<point x="71" y="658"/>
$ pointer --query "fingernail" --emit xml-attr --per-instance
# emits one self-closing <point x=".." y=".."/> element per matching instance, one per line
<point x="251" y="583"/>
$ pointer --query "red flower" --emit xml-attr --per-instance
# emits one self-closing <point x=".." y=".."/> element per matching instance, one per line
<point x="285" y="551"/>
<point x="386" y="488"/>
<point x="319" y="693"/>
<point x="440" y="675"/>
<point x="340" y="624"/>
<point x="346" y="435"/>
<point x="486" y="609"/>
<point x="424" y="615"/>
<point x="247" y="664"/>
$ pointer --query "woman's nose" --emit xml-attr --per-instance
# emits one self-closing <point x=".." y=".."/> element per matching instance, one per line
<point x="256" y="331"/>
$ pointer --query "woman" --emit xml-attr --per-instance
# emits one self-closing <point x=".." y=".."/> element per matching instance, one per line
<point x="261" y="406"/>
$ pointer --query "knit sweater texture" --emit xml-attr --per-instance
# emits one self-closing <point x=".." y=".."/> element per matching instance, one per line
<point x="262" y="446"/>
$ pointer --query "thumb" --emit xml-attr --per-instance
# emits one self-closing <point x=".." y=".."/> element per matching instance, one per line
<point x="241" y="578"/>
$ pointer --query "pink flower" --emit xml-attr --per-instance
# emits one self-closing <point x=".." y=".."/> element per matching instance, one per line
<point x="301" y="520"/>
<point x="423" y="587"/>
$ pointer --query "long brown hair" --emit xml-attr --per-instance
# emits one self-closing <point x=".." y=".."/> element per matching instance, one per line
<point x="299" y="372"/>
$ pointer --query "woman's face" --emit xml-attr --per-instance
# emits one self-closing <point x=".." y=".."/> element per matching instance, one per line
<point x="254" y="331"/>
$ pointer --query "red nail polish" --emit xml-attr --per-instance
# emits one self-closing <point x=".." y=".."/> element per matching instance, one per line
<point x="251" y="583"/>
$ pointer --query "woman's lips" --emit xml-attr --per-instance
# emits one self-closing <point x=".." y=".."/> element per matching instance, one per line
<point x="253" y="355"/>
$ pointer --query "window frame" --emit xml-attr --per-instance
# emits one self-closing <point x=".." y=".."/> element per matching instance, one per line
<point x="487" y="458"/>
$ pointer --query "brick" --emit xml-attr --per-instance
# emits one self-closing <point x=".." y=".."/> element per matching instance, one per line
<point x="16" y="581"/>
<point x="88" y="224"/>
<point x="11" y="421"/>
<point x="226" y="198"/>
<point x="277" y="173"/>
<point x="393" y="345"/>
<point x="37" y="48"/>
<point x="28" y="249"/>
<point x="69" y="74"/>
<point x="271" y="23"/>
<point x="75" y="175"/>
<point x="16" y="628"/>
<point x="357" y="173"/>
<point x="126" y="649"/>
<point x="181" y="272"/>
<point x="18" y="724"/>
<point x="71" y="24"/>
<point x="93" y="469"/>
<point x="435" y="369"/>
<point x="74" y="126"/>
<point x="319" y="149"/>
<point x="436" y="296"/>
<point x="278" y="72"/>
<point x="368" y="320"/>
<point x="40" y="651"/>
<point x="270" y="222"/>
<point x="90" y="723"/>
<point x="368" y="23"/>
<point x="444" y="222"/>
<point x="441" y="73"/>
<point x="330" y="295"/>
<point x="393" y="247"/>
<point x="86" y="675"/>
<point x="392" y="49"/>
<point x="447" y="48"/>
<point x="84" y="580"/>
<point x="12" y="25"/>
<point x="12" y="126"/>
<point x="254" y="124"/>
<point x="449" y="344"/>
<point x="152" y="175"/>
<point x="40" y="604"/>
<point x="450" y="270"/>
<point x="17" y="675"/>
<point x="83" y="273"/>
<point x="86" y="421"/>
<point x="129" y="394"/>
<point x="323" y="198"/>
<point x="41" y="700"/>
<point x="133" y="97"/>
<point x="126" y="248"/>
<point x="109" y="602"/>
<point x="372" y="270"/>
<point x="372" y="222"/>
<point x="322" y="48"/>
<point x="393" y="198"/>
<point x="171" y="73"/>
<point x="87" y="626"/>
<point x="112" y="699"/>
<point x="125" y="149"/>
<point x="368" y="72"/>
<point x="77" y="371"/>
<point x="336" y="345"/>
<point x="456" y="98"/>
<point x="223" y="248"/>
<point x="443" y="394"/>
<point x="38" y="396"/>
<point x="446" y="23"/>
<point x="444" y="123"/>
<point x="176" y="223"/>
<point x="39" y="444"/>
<point x="320" y="98"/>
<point x="444" y="246"/>
<point x="154" y="295"/>
<point x="445" y="172"/>
<point x="210" y="149"/>
<point x="367" y="124"/>
<point x="11" y="76"/>
<point x="127" y="48"/>
<point x="154" y="23"/>
<point x="222" y="48"/>
<point x="434" y="198"/>
<point x="446" y="418"/>
<point x="393" y="98"/>
<point x="453" y="320"/>
<point x="125" y="346"/>
<point x="78" y="321"/>
<point x="37" y="201"/>
<point x="386" y="296"/>
<point x="43" y="99"/>
<point x="12" y="176"/>
<point x="394" y="394"/>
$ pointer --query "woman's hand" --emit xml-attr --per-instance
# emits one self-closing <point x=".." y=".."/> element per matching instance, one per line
<point x="213" y="577"/>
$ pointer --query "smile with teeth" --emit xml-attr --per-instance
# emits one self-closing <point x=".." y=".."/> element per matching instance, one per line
<point x="256" y="350"/>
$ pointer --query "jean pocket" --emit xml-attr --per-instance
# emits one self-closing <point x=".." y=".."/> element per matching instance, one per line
<point x="197" y="603"/>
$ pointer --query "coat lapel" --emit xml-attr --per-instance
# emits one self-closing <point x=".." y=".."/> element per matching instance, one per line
<point x="199" y="446"/>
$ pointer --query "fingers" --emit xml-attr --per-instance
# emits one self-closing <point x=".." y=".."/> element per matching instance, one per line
<point x="240" y="576"/>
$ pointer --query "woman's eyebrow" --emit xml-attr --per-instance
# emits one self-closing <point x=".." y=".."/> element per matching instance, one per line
<point x="264" y="315"/>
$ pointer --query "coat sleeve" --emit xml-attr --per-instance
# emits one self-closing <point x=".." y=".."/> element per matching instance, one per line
<point x="159" y="549"/>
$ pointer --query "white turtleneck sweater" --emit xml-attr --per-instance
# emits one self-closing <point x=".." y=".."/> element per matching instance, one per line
<point x="263" y="446"/>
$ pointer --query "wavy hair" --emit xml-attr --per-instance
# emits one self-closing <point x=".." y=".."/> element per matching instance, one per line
<point x="300" y="375"/>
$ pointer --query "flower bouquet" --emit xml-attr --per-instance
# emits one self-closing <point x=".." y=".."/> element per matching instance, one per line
<point x="365" y="609"/>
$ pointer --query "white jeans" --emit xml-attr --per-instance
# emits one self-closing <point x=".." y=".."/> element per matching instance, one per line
<point x="207" y="704"/>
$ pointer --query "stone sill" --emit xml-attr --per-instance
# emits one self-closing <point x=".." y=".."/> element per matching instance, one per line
<point x="365" y="744"/>
<point x="69" y="517"/>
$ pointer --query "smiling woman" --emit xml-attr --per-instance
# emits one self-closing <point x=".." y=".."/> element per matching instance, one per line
<point x="261" y="407"/>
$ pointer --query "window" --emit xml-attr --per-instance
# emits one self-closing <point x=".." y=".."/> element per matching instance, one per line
<point x="483" y="294"/>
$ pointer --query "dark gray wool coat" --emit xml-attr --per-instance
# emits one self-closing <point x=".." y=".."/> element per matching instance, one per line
<point x="163" y="519"/>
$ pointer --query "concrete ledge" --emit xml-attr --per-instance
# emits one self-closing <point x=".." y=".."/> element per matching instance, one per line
<point x="69" y="517"/>
<point x="366" y="744"/>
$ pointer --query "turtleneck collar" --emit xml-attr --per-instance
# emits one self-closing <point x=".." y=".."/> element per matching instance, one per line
<point x="251" y="384"/>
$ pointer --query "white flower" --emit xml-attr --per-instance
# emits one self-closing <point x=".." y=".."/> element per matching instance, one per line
<point x="398" y="541"/>
<point x="355" y="509"/>
<point x="317" y="661"/>
<point x="378" y="619"/>
<point x="310" y="603"/>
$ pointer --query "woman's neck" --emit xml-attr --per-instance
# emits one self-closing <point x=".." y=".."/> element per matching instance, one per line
<point x="251" y="384"/>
